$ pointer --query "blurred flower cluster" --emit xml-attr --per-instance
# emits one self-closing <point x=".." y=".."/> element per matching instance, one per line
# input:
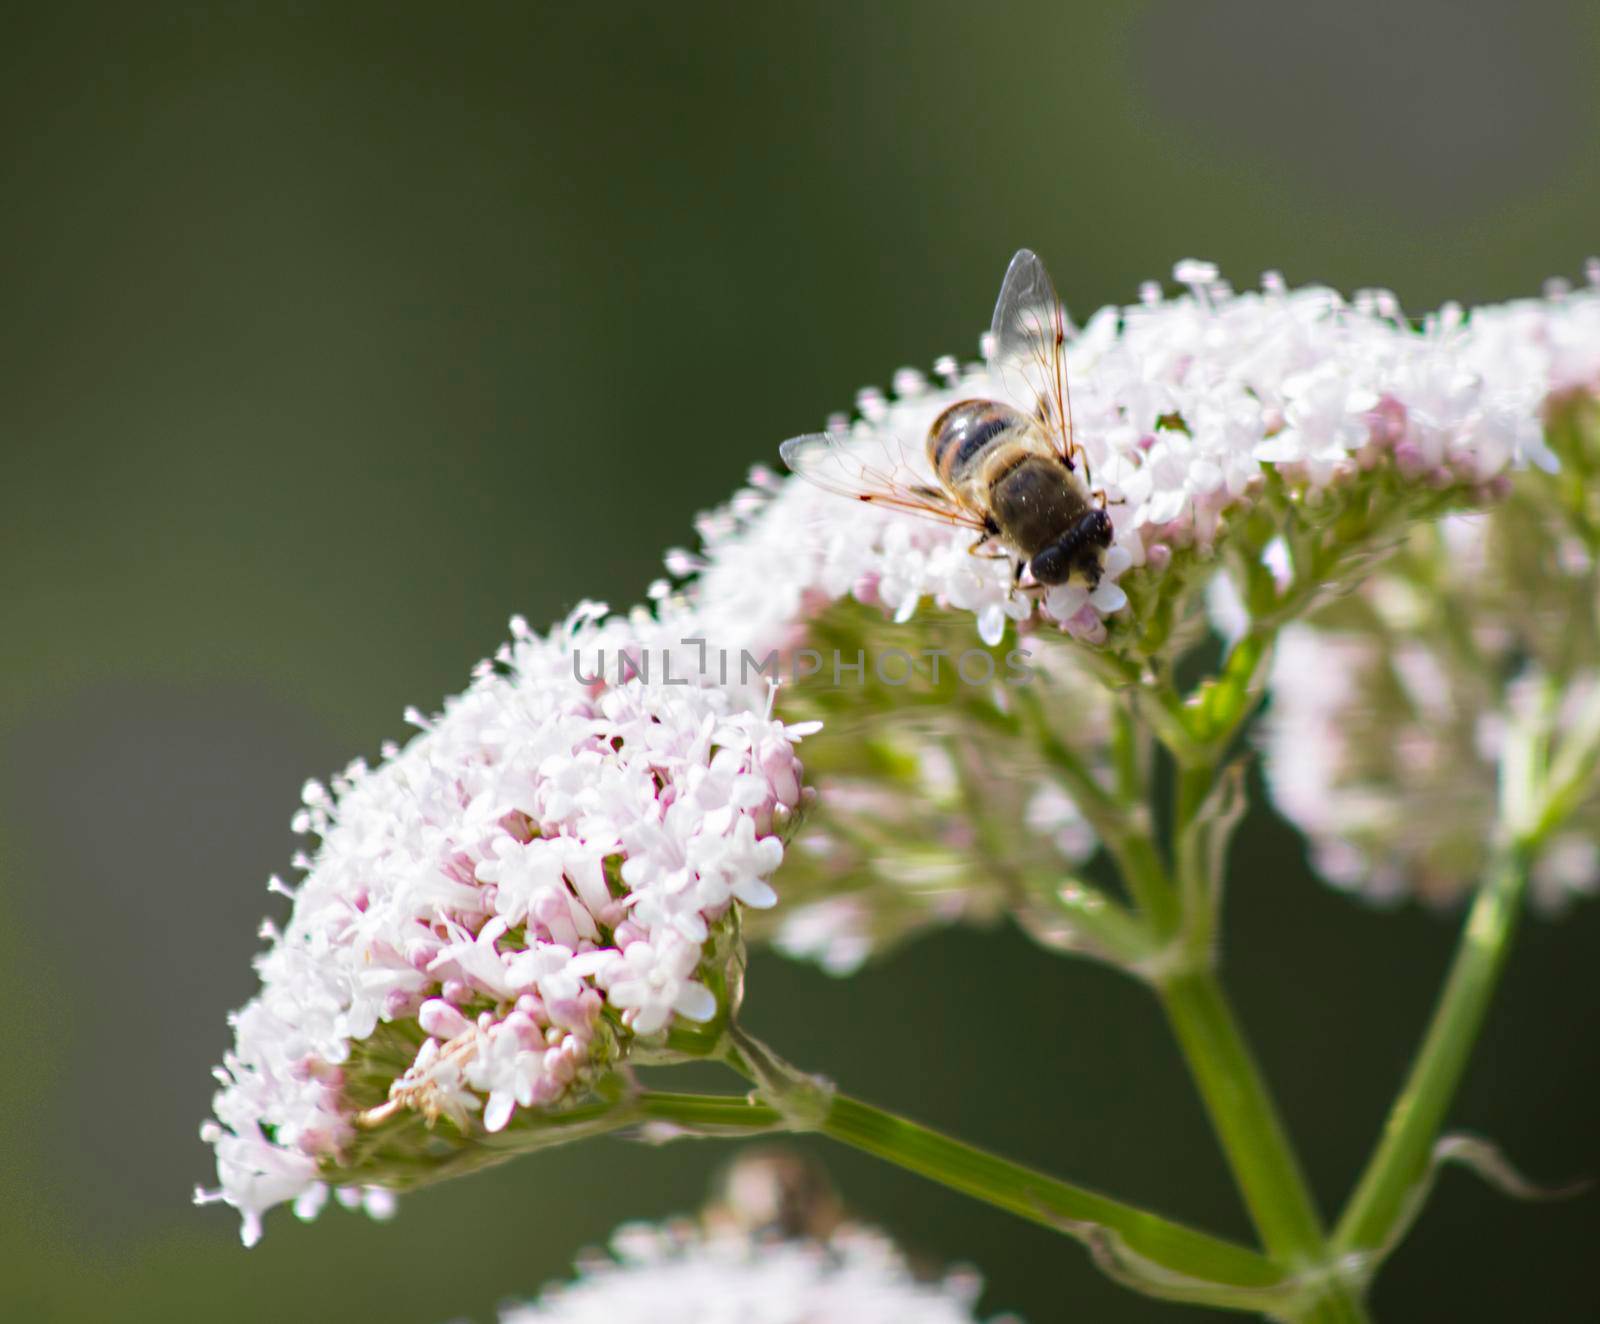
<point x="775" y="1247"/>
<point x="947" y="812"/>
<point x="1390" y="707"/>
<point x="682" y="1274"/>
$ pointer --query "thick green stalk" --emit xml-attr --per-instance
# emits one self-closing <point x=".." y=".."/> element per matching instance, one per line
<point x="1236" y="1097"/>
<point x="1253" y="1139"/>
<point x="1246" y="1122"/>
<point x="708" y="1114"/>
<point x="1382" y="1201"/>
<point x="1211" y="1266"/>
<point x="1032" y="1195"/>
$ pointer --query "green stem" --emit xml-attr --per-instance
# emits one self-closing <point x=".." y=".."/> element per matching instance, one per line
<point x="1197" y="1259"/>
<point x="1219" y="708"/>
<point x="708" y="1114"/>
<point x="1194" y="784"/>
<point x="1040" y="1199"/>
<point x="1129" y="755"/>
<point x="1123" y="828"/>
<point x="1381" y="1202"/>
<point x="1255" y="1142"/>
<point x="1236" y="1097"/>
<point x="1144" y="872"/>
<point x="1254" y="1139"/>
<point x="1572" y="771"/>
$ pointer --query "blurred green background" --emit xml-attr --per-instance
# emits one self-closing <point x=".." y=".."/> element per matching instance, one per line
<point x="332" y="335"/>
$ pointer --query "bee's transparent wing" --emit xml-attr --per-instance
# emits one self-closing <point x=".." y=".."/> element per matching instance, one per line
<point x="874" y="469"/>
<point x="1027" y="347"/>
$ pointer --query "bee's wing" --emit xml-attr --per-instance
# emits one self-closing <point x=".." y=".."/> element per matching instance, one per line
<point x="1027" y="346"/>
<point x="875" y="470"/>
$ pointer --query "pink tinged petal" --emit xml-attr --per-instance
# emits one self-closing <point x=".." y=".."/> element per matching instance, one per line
<point x="629" y="993"/>
<point x="756" y="893"/>
<point x="1108" y="597"/>
<point x="438" y="1018"/>
<point x="589" y="881"/>
<point x="748" y="792"/>
<point x="692" y="925"/>
<point x="592" y="963"/>
<point x="1064" y="600"/>
<point x="498" y="1113"/>
<point x="556" y="915"/>
<point x="379" y="1203"/>
<point x="309" y="1203"/>
<point x="528" y="1078"/>
<point x="696" y="1002"/>
<point x="1164" y="507"/>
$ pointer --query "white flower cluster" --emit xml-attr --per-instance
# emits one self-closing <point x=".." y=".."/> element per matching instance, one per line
<point x="529" y="883"/>
<point x="1183" y="406"/>
<point x="680" y="1275"/>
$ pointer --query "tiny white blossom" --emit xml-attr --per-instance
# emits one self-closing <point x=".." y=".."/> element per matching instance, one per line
<point x="1388" y="715"/>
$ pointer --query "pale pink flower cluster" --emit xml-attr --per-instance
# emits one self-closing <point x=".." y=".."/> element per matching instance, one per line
<point x="548" y="847"/>
<point x="1182" y="405"/>
<point x="1387" y="724"/>
<point x="677" y="1274"/>
<point x="1370" y="755"/>
<point x="886" y="858"/>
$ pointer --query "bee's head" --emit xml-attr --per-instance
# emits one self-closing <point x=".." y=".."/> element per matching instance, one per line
<point x="1080" y="551"/>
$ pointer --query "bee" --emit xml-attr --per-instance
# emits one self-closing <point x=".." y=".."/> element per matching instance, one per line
<point x="1019" y="480"/>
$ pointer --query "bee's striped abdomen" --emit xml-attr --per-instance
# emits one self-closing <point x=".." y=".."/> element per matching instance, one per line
<point x="964" y="434"/>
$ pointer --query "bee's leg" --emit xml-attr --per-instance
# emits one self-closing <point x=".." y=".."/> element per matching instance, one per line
<point x="984" y="549"/>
